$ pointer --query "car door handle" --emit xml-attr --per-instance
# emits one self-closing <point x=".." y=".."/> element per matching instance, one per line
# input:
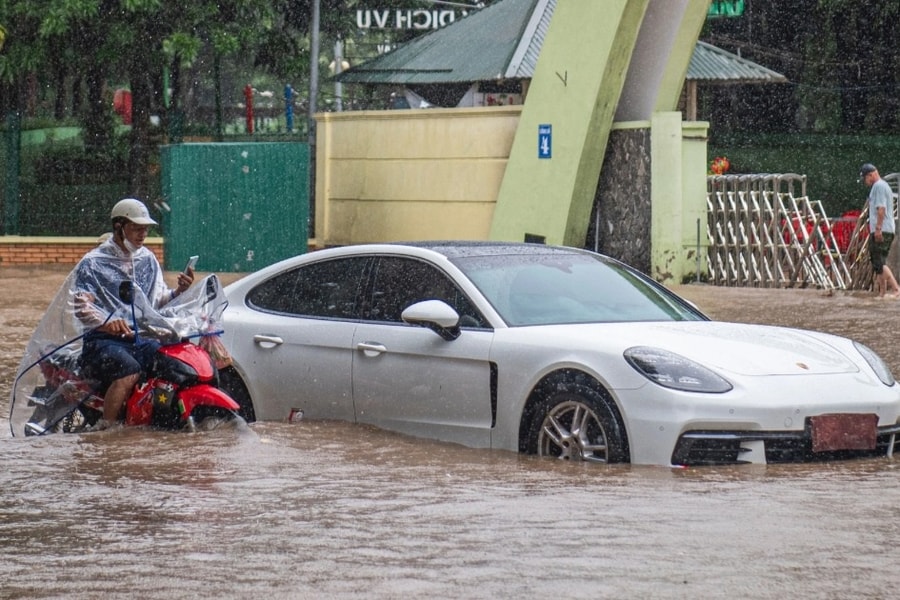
<point x="371" y="348"/>
<point x="267" y="341"/>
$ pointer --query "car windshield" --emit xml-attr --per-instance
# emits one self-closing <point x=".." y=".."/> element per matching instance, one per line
<point x="556" y="288"/>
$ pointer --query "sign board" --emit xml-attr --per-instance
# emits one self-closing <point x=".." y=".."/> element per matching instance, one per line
<point x="545" y="141"/>
<point x="725" y="8"/>
<point x="406" y="19"/>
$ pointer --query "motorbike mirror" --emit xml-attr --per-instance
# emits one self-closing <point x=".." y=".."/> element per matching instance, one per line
<point x="126" y="292"/>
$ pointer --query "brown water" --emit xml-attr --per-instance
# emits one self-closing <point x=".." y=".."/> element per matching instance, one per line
<point x="330" y="510"/>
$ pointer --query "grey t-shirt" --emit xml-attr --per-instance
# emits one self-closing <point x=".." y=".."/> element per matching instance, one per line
<point x="881" y="195"/>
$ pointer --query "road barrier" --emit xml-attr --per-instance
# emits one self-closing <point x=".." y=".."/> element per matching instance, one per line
<point x="764" y="231"/>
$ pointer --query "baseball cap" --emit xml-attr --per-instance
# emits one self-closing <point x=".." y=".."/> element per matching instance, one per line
<point x="866" y="169"/>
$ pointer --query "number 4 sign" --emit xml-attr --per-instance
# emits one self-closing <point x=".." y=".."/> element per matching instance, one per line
<point x="545" y="141"/>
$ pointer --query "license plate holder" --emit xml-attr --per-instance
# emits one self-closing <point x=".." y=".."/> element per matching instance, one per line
<point x="843" y="431"/>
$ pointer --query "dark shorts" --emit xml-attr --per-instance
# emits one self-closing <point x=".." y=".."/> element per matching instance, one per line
<point x="878" y="251"/>
<point x="105" y="358"/>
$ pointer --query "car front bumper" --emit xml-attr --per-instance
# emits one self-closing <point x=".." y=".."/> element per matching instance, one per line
<point x="753" y="424"/>
<point x="737" y="447"/>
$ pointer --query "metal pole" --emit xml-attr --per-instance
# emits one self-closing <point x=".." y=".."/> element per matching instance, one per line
<point x="11" y="225"/>
<point x="698" y="251"/>
<point x="289" y="108"/>
<point x="338" y="69"/>
<point x="313" y="70"/>
<point x="311" y="116"/>
<point x="217" y="75"/>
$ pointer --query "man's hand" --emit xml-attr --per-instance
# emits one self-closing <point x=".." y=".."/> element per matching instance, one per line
<point x="185" y="280"/>
<point x="85" y="309"/>
<point x="118" y="328"/>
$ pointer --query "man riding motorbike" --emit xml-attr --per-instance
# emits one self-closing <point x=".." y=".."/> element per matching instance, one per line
<point x="112" y="353"/>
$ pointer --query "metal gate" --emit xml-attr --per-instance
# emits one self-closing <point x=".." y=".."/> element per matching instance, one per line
<point x="239" y="206"/>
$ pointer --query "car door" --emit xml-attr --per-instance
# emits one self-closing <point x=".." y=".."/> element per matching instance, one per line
<point x="295" y="334"/>
<point x="407" y="378"/>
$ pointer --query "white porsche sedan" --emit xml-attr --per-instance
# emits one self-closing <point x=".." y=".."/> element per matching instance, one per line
<point x="548" y="350"/>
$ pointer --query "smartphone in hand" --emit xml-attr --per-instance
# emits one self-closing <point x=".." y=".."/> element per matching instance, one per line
<point x="192" y="262"/>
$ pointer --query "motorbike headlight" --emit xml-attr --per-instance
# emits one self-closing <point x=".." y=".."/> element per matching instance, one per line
<point x="881" y="369"/>
<point x="674" y="371"/>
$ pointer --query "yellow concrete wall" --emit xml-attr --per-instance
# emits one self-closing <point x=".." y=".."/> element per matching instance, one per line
<point x="694" y="160"/>
<point x="677" y="197"/>
<point x="385" y="176"/>
<point x="410" y="174"/>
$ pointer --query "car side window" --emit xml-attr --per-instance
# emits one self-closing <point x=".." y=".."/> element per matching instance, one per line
<point x="327" y="289"/>
<point x="401" y="282"/>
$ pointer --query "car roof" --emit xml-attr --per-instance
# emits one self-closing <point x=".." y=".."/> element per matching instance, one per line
<point x="460" y="249"/>
<point x="446" y="249"/>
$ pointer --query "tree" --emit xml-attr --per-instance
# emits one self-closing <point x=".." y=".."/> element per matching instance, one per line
<point x="839" y="55"/>
<point x="130" y="39"/>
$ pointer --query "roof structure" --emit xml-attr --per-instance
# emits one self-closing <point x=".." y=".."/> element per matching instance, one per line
<point x="503" y="41"/>
<point x="477" y="47"/>
<point x="713" y="64"/>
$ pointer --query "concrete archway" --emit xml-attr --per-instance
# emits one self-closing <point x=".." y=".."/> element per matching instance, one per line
<point x="603" y="64"/>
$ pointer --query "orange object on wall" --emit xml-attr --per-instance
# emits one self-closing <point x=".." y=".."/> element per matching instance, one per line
<point x="122" y="104"/>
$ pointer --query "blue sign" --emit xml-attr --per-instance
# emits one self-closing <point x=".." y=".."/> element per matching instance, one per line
<point x="545" y="141"/>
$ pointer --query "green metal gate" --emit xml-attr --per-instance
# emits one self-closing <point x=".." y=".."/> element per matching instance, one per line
<point x="239" y="206"/>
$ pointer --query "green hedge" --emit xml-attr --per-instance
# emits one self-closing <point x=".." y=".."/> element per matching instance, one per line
<point x="64" y="191"/>
<point x="67" y="210"/>
<point x="830" y="162"/>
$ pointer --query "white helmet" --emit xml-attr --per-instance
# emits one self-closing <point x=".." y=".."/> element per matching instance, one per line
<point x="133" y="210"/>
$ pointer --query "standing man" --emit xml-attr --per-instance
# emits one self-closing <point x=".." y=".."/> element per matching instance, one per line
<point x="881" y="229"/>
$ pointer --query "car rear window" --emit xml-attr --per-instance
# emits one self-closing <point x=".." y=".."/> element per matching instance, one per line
<point x="326" y="289"/>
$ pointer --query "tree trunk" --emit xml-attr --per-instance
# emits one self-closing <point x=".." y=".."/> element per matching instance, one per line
<point x="98" y="120"/>
<point x="139" y="157"/>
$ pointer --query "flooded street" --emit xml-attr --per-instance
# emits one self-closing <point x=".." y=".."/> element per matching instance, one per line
<point x="331" y="510"/>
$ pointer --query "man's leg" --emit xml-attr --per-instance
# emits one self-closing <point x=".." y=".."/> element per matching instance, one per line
<point x="890" y="282"/>
<point x="877" y="266"/>
<point x="116" y="395"/>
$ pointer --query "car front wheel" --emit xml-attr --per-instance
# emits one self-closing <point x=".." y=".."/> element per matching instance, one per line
<point x="232" y="384"/>
<point x="578" y="426"/>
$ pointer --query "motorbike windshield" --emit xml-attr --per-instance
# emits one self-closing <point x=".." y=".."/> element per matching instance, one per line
<point x="48" y="384"/>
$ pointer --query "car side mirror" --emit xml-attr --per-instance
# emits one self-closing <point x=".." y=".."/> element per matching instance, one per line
<point x="436" y="315"/>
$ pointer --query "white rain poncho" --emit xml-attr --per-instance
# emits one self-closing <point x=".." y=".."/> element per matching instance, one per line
<point x="49" y="374"/>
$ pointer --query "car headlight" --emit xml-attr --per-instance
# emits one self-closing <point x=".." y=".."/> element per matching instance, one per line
<point x="674" y="371"/>
<point x="878" y="365"/>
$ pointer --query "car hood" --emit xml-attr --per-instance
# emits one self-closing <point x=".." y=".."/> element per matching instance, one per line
<point x="744" y="349"/>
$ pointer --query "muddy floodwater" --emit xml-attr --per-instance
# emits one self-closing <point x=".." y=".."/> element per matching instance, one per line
<point x="330" y="510"/>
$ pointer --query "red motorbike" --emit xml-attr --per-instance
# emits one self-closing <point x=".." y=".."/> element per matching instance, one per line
<point x="179" y="391"/>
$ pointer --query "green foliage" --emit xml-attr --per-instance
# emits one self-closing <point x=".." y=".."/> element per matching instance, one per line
<point x="47" y="123"/>
<point x="830" y="162"/>
<point x="66" y="191"/>
<point x="839" y="56"/>
<point x="182" y="46"/>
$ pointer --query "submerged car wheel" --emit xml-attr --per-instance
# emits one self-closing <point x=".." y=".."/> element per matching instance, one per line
<point x="232" y="384"/>
<point x="579" y="426"/>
